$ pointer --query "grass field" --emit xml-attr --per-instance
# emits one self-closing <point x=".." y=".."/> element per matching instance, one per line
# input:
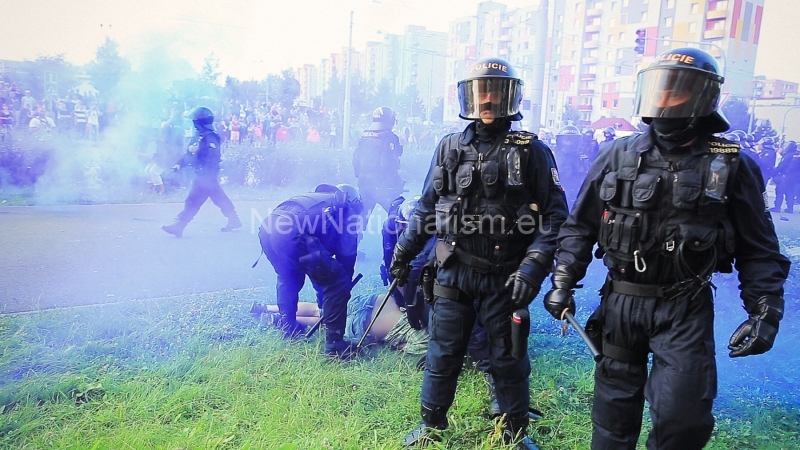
<point x="197" y="372"/>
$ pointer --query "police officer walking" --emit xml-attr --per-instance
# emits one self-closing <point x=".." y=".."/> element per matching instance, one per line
<point x="787" y="178"/>
<point x="376" y="163"/>
<point x="572" y="162"/>
<point x="315" y="235"/>
<point x="668" y="208"/>
<point x="589" y="146"/>
<point x="496" y="203"/>
<point x="204" y="156"/>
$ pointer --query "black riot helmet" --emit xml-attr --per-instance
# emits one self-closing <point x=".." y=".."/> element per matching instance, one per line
<point x="681" y="86"/>
<point x="346" y="195"/>
<point x="491" y="90"/>
<point x="405" y="211"/>
<point x="383" y="118"/>
<point x="569" y="136"/>
<point x="202" y="118"/>
<point x="609" y="133"/>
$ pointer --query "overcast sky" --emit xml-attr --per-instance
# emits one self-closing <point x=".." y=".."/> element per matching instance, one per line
<point x="252" y="38"/>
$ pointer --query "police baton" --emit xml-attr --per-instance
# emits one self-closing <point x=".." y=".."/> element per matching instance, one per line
<point x="582" y="333"/>
<point x="392" y="287"/>
<point x="316" y="325"/>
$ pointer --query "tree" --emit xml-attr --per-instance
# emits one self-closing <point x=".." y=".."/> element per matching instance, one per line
<point x="108" y="68"/>
<point x="437" y="113"/>
<point x="48" y="75"/>
<point x="735" y="109"/>
<point x="409" y="104"/>
<point x="384" y="95"/>
<point x="764" y="130"/>
<point x="333" y="95"/>
<point x="571" y="116"/>
<point x="210" y="72"/>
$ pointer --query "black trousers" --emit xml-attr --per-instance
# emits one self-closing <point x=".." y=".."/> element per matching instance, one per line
<point x="203" y="188"/>
<point x="681" y="384"/>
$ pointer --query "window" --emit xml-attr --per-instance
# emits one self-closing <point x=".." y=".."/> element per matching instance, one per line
<point x="612" y="22"/>
<point x="668" y="22"/>
<point x="605" y="103"/>
<point x="552" y="108"/>
<point x="598" y="5"/>
<point x="577" y="7"/>
<point x="613" y="6"/>
<point x="665" y="40"/>
<point x="571" y="85"/>
<point x="560" y="18"/>
<point x="644" y="17"/>
<point x="572" y="54"/>
<point x="695" y="8"/>
<point x="610" y="39"/>
<point x="558" y="49"/>
<point x="670" y="4"/>
<point x="615" y="104"/>
<point x="620" y="53"/>
<point x="550" y="123"/>
<point x="609" y="71"/>
<point x="692" y="27"/>
<point x="609" y="56"/>
<point x="625" y="3"/>
<point x="577" y="24"/>
<point x="525" y="46"/>
<point x="621" y="37"/>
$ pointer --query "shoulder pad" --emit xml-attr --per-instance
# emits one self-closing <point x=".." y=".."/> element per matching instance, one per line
<point x="717" y="144"/>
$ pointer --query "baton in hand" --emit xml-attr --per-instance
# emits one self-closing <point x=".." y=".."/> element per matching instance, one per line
<point x="582" y="333"/>
<point x="392" y="287"/>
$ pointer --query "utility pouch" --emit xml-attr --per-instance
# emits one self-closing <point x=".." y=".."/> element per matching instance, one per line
<point x="608" y="188"/>
<point x="444" y="253"/>
<point x="440" y="181"/>
<point x="465" y="178"/>
<point x="489" y="176"/>
<point x="447" y="217"/>
<point x="686" y="189"/>
<point x="427" y="279"/>
<point x="623" y="230"/>
<point x="717" y="179"/>
<point x="645" y="191"/>
<point x="594" y="326"/>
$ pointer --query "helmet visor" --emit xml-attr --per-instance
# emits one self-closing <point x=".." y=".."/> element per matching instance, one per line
<point x="489" y="98"/>
<point x="675" y="93"/>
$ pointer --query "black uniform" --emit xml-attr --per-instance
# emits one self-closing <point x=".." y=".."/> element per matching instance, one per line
<point x="312" y="234"/>
<point x="492" y="196"/>
<point x="787" y="178"/>
<point x="205" y="184"/>
<point x="376" y="163"/>
<point x="664" y="221"/>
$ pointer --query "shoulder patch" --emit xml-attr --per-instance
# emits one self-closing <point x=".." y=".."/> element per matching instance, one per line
<point x="519" y="138"/>
<point x="554" y="173"/>
<point x="723" y="147"/>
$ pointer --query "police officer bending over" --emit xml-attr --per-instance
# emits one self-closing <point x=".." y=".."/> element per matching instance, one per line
<point x="668" y="208"/>
<point x="204" y="156"/>
<point x="493" y="199"/>
<point x="315" y="234"/>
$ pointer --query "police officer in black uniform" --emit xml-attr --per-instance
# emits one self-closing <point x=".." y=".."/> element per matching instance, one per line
<point x="493" y="198"/>
<point x="315" y="234"/>
<point x="572" y="163"/>
<point x="589" y="146"/>
<point x="787" y="178"/>
<point x="668" y="208"/>
<point x="204" y="156"/>
<point x="376" y="163"/>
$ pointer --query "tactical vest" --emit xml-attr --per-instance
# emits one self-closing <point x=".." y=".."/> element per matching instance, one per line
<point x="377" y="153"/>
<point x="313" y="213"/>
<point x="678" y="209"/>
<point x="485" y="193"/>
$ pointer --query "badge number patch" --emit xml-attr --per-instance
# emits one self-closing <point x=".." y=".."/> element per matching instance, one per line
<point x="554" y="172"/>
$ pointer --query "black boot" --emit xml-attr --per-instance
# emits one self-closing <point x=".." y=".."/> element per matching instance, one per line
<point x="494" y="405"/>
<point x="434" y="419"/>
<point x="176" y="229"/>
<point x="516" y="431"/>
<point x="336" y="346"/>
<point x="233" y="223"/>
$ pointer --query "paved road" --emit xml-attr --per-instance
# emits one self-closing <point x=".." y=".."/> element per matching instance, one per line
<point x="55" y="256"/>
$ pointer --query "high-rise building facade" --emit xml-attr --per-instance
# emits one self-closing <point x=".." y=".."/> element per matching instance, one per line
<point x="598" y="46"/>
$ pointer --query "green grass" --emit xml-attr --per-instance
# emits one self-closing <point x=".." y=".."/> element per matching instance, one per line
<point x="196" y="372"/>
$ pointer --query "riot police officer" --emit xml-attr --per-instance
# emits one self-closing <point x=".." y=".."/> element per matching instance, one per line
<point x="787" y="178"/>
<point x="204" y="155"/>
<point x="767" y="157"/>
<point x="376" y="163"/>
<point x="668" y="208"/>
<point x="572" y="163"/>
<point x="493" y="197"/>
<point x="589" y="146"/>
<point x="609" y="133"/>
<point x="315" y="235"/>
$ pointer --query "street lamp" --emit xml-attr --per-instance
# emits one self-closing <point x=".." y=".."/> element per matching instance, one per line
<point x="783" y="125"/>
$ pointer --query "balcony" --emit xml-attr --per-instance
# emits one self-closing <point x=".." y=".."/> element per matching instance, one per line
<point x="585" y="91"/>
<point x="505" y="38"/>
<point x="588" y="76"/>
<point x="506" y="24"/>
<point x="718" y="14"/>
<point x="589" y="61"/>
<point x="592" y="28"/>
<point x="594" y="12"/>
<point x="713" y="34"/>
<point x="584" y="107"/>
<point x="591" y="44"/>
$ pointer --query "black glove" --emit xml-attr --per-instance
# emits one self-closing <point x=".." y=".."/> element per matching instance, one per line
<point x="561" y="297"/>
<point x="526" y="282"/>
<point x="756" y="335"/>
<point x="401" y="264"/>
